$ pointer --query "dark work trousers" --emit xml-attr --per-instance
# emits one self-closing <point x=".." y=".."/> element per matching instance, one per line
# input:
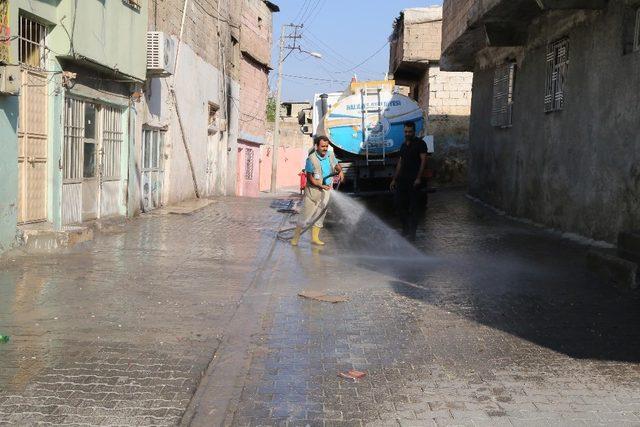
<point x="410" y="202"/>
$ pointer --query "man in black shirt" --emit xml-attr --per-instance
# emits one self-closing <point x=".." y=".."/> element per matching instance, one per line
<point x="408" y="179"/>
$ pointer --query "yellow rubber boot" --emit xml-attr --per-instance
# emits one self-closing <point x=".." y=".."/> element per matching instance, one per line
<point x="315" y="236"/>
<point x="296" y="236"/>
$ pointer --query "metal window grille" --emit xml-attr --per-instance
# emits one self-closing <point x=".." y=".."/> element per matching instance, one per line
<point x="73" y="140"/>
<point x="636" y="34"/>
<point x="152" y="146"/>
<point x="31" y="43"/>
<point x="248" y="171"/>
<point x="111" y="142"/>
<point x="503" y="85"/>
<point x="557" y="67"/>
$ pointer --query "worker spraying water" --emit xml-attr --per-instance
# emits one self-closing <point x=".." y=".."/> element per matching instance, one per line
<point x="321" y="167"/>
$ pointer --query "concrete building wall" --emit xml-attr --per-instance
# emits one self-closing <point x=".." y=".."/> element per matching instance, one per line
<point x="292" y="155"/>
<point x="207" y="76"/>
<point x="254" y="87"/>
<point x="95" y="25"/>
<point x="109" y="35"/>
<point x="255" y="45"/>
<point x="576" y="169"/>
<point x="9" y="171"/>
<point x="197" y="85"/>
<point x="446" y="97"/>
<point x="201" y="28"/>
<point x="456" y="15"/>
<point x="416" y="37"/>
<point x="257" y="31"/>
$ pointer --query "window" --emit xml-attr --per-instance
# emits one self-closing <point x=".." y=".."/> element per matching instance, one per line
<point x="89" y="156"/>
<point x="89" y="169"/>
<point x="31" y="43"/>
<point x="248" y="168"/>
<point x="111" y="142"/>
<point x="213" y="112"/>
<point x="133" y="3"/>
<point x="91" y="148"/>
<point x="557" y="68"/>
<point x="73" y="140"/>
<point x="259" y="22"/>
<point x="152" y="146"/>
<point x="503" y="85"/>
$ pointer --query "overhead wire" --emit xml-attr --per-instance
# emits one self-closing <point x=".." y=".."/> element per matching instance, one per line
<point x="369" y="58"/>
<point x="313" y="10"/>
<point x="337" y="62"/>
<point x="217" y="16"/>
<point x="302" y="17"/>
<point x="299" y="14"/>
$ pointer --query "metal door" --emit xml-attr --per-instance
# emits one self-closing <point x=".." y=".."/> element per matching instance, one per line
<point x="32" y="148"/>
<point x="152" y="169"/>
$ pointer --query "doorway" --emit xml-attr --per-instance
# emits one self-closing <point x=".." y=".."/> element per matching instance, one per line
<point x="152" y="168"/>
<point x="93" y="137"/>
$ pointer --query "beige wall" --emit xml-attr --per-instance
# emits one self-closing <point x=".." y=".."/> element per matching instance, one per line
<point x="292" y="154"/>
<point x="449" y="92"/>
<point x="201" y="28"/>
<point x="417" y="39"/>
<point x="257" y="30"/>
<point x="253" y="100"/>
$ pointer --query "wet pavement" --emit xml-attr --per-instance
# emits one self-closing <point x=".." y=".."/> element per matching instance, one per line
<point x="498" y="324"/>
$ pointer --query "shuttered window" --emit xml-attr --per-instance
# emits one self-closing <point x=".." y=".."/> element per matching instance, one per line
<point x="503" y="85"/>
<point x="112" y="136"/>
<point x="557" y="68"/>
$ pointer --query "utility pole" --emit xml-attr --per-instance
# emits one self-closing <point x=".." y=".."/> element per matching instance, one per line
<point x="295" y="36"/>
<point x="276" y="132"/>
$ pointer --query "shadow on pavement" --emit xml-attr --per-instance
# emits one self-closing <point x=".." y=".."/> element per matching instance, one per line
<point x="508" y="276"/>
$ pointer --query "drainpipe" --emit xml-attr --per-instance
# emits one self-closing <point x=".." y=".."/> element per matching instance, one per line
<point x="175" y="103"/>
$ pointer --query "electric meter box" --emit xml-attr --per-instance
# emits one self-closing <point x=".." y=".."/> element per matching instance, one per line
<point x="10" y="80"/>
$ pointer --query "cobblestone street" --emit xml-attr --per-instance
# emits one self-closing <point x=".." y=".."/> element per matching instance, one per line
<point x="196" y="319"/>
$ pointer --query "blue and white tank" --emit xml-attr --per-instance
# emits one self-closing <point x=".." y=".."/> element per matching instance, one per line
<point x="343" y="121"/>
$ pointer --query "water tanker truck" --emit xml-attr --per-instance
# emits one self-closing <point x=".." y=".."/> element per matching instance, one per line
<point x="366" y="127"/>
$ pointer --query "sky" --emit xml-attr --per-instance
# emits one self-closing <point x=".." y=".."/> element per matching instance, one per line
<point x="347" y="33"/>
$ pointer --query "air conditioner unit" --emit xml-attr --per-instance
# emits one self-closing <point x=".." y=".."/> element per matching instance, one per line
<point x="161" y="54"/>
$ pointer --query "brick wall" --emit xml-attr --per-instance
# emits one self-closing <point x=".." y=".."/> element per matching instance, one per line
<point x="422" y="42"/>
<point x="257" y="30"/>
<point x="201" y="27"/>
<point x="458" y="15"/>
<point x="253" y="98"/>
<point x="449" y="92"/>
<point x="416" y="37"/>
<point x="455" y="15"/>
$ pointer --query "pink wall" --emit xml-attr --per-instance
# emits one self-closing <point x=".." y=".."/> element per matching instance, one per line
<point x="290" y="163"/>
<point x="248" y="180"/>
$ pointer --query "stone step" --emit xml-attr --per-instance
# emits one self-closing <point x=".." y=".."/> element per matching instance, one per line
<point x="38" y="240"/>
<point x="614" y="270"/>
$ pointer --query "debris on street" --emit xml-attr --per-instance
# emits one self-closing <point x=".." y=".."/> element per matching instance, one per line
<point x="352" y="375"/>
<point x="322" y="297"/>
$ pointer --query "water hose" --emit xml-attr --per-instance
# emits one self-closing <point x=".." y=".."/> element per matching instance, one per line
<point x="307" y="227"/>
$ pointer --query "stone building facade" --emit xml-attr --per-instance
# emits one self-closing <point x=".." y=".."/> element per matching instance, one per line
<point x="554" y="128"/>
<point x="444" y="96"/>
<point x="255" y="46"/>
<point x="66" y="135"/>
<point x="188" y="129"/>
